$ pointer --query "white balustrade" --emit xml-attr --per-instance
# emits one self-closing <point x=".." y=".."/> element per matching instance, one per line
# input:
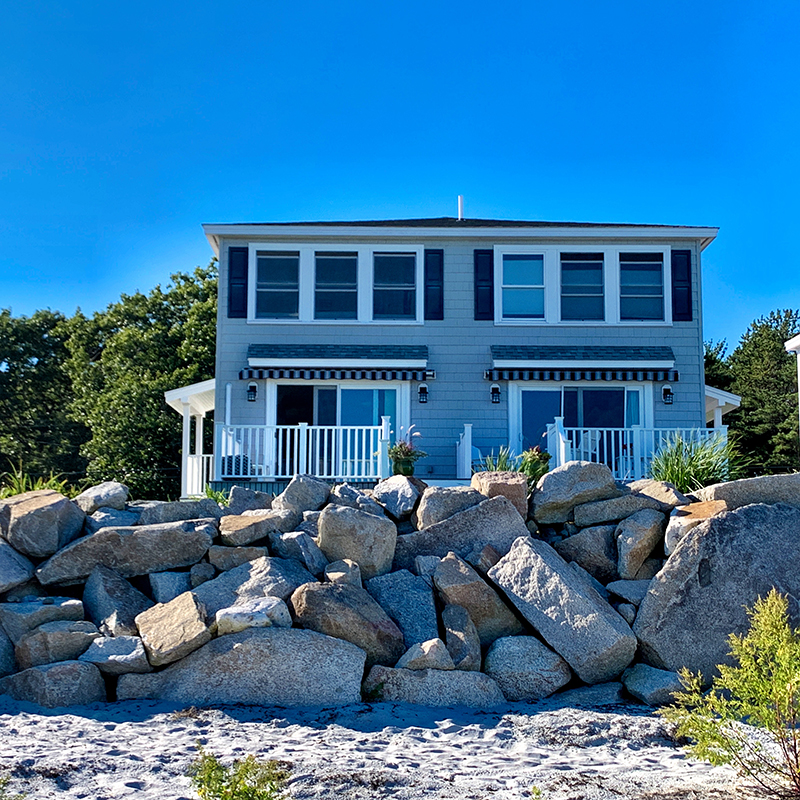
<point x="198" y="473"/>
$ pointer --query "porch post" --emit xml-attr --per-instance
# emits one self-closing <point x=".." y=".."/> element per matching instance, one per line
<point x="198" y="434"/>
<point x="383" y="447"/>
<point x="302" y="466"/>
<point x="718" y="416"/>
<point x="187" y="441"/>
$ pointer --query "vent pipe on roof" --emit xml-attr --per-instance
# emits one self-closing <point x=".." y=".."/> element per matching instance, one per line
<point x="461" y="207"/>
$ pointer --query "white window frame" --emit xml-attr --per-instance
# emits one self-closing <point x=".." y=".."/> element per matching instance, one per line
<point x="666" y="285"/>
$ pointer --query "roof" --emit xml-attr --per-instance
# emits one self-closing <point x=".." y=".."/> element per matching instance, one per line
<point x="581" y="353"/>
<point x="337" y="352"/>
<point x="198" y="396"/>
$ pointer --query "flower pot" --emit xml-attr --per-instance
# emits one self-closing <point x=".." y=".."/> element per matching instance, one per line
<point x="403" y="467"/>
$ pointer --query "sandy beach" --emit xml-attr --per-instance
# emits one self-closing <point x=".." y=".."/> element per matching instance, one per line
<point x="142" y="750"/>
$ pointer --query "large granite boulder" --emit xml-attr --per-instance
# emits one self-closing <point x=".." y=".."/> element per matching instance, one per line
<point x="242" y="499"/>
<point x="637" y="537"/>
<point x="365" y="538"/>
<point x="41" y="522"/>
<point x="576" y="482"/>
<point x="494" y="521"/>
<point x="408" y="600"/>
<point x="15" y="569"/>
<point x="426" y="655"/>
<point x="109" y="494"/>
<point x="683" y="518"/>
<point x="54" y="641"/>
<point x="513" y="485"/>
<point x="137" y="550"/>
<point x="17" y="619"/>
<point x="225" y="558"/>
<point x="259" y="666"/>
<point x="111" y="518"/>
<point x="525" y="669"/>
<point x="664" y="492"/>
<point x="245" y="528"/>
<point x="717" y="571"/>
<point x="614" y="509"/>
<point x="112" y="603"/>
<point x="179" y="510"/>
<point x="66" y="683"/>
<point x="344" y="571"/>
<point x="570" y="616"/>
<point x="166" y="586"/>
<point x="767" y="489"/>
<point x="258" y="612"/>
<point x="632" y="592"/>
<point x="172" y="630"/>
<point x="439" y="503"/>
<point x="345" y="495"/>
<point x="347" y="612"/>
<point x="433" y="687"/>
<point x="304" y="493"/>
<point x="594" y="549"/>
<point x="117" y="655"/>
<point x="461" y="638"/>
<point x="7" y="661"/>
<point x="301" y="547"/>
<point x="398" y="495"/>
<point x="460" y="585"/>
<point x="655" y="687"/>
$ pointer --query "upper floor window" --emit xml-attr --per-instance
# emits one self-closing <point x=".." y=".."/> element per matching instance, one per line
<point x="641" y="286"/>
<point x="394" y="294"/>
<point x="336" y="285"/>
<point x="277" y="285"/>
<point x="522" y="286"/>
<point x="582" y="296"/>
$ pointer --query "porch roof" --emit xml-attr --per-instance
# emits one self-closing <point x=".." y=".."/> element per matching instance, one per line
<point x="199" y="396"/>
<point x="718" y="398"/>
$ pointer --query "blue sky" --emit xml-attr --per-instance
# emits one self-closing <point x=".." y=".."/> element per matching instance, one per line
<point x="124" y="127"/>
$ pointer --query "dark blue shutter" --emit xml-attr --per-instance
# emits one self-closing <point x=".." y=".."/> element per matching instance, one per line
<point x="434" y="284"/>
<point x="484" y="284"/>
<point x="682" y="285"/>
<point x="237" y="282"/>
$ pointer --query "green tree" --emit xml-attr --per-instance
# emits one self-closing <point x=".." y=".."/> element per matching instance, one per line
<point x="121" y="362"/>
<point x="717" y="369"/>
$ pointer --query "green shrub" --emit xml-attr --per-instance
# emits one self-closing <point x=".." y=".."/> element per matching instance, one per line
<point x="504" y="461"/>
<point x="4" y="795"/>
<point x="533" y="463"/>
<point x="18" y="482"/>
<point x="219" y="495"/>
<point x="691" y="463"/>
<point x="245" y="779"/>
<point x="761" y="689"/>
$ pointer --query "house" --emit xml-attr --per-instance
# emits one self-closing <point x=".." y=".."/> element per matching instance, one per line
<point x="582" y="338"/>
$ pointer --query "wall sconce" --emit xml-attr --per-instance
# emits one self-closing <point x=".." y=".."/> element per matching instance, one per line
<point x="495" y="393"/>
<point x="252" y="392"/>
<point x="423" y="393"/>
<point x="666" y="395"/>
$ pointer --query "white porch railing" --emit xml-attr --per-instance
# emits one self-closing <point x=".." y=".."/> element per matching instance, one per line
<point x="336" y="452"/>
<point x="626" y="451"/>
<point x="199" y="469"/>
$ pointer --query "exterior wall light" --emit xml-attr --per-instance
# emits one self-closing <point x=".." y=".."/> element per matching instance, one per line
<point x="423" y="393"/>
<point x="667" y="395"/>
<point x="252" y="392"/>
<point x="495" y="393"/>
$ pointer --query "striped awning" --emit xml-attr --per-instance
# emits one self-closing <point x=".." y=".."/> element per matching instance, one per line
<point x="581" y="375"/>
<point x="308" y="374"/>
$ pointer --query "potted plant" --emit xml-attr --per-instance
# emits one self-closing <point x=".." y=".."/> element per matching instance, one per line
<point x="404" y="454"/>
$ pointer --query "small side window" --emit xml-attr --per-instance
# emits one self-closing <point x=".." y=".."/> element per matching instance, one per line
<point x="641" y="281"/>
<point x="336" y="286"/>
<point x="582" y="286"/>
<point x="394" y="294"/>
<point x="523" y="286"/>
<point x="277" y="285"/>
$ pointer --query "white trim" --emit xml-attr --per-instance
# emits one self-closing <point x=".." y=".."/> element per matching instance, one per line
<point x="339" y="363"/>
<point x="566" y="365"/>
<point x="200" y="396"/>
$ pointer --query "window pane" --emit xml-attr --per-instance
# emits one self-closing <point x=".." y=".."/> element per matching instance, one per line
<point x="523" y="303"/>
<point x="278" y="269"/>
<point x="394" y="304"/>
<point x="582" y="286"/>
<point x="277" y="287"/>
<point x="335" y="305"/>
<point x="394" y="294"/>
<point x="277" y="305"/>
<point x="631" y="407"/>
<point x="641" y="286"/>
<point x="582" y="308"/>
<point x="641" y="308"/>
<point x="395" y="269"/>
<point x="523" y="270"/>
<point x="336" y="270"/>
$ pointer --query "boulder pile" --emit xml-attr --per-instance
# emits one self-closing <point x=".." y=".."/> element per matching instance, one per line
<point x="405" y="592"/>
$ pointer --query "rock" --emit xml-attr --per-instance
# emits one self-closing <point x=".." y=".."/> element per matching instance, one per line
<point x="684" y="518"/>
<point x="310" y="523"/>
<point x="589" y="580"/>
<point x="570" y="485"/>
<point x="117" y="655"/>
<point x="259" y="666"/>
<point x="304" y="493"/>
<point x="632" y="592"/>
<point x="271" y="577"/>
<point x="346" y="495"/>
<point x="425" y="566"/>
<point x="398" y="495"/>
<point x="349" y="613"/>
<point x="720" y="568"/>
<point x="366" y="539"/>
<point x="179" y="510"/>
<point x="495" y="522"/>
<point x="24" y="591"/>
<point x="63" y="640"/>
<point x="19" y="618"/>
<point x="136" y="550"/>
<point x="166" y="586"/>
<point x="110" y="518"/>
<point x="459" y="584"/>
<point x="245" y="528"/>
<point x="7" y="661"/>
<point x="637" y="536"/>
<point x="301" y="547"/>
<point x="109" y="494"/>
<point x="603" y="694"/>
<point x="41" y="522"/>
<point x="767" y="489"/>
<point x="225" y="558"/>
<point x="648" y="570"/>
<point x="595" y="549"/>
<point x="512" y="485"/>
<point x="652" y="686"/>
<point x="200" y="573"/>
<point x="628" y="612"/>
<point x="574" y="620"/>
<point x="171" y="631"/>
<point x="112" y="603"/>
<point x="426" y="655"/>
<point x="408" y="600"/>
<point x="525" y="669"/>
<point x="242" y="499"/>
<point x="5" y="519"/>
<point x="483" y="559"/>
<point x="664" y="492"/>
<point x="15" y="569"/>
<point x="433" y="687"/>
<point x="260" y="612"/>
<point x="66" y="683"/>
<point x="613" y="510"/>
<point x="461" y="637"/>
<point x="344" y="571"/>
<point x="439" y="503"/>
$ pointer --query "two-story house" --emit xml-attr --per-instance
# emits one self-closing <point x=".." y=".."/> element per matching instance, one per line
<point x="582" y="338"/>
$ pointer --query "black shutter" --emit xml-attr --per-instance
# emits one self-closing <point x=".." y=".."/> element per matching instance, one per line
<point x="434" y="284"/>
<point x="484" y="284"/>
<point x="682" y="285"/>
<point x="237" y="282"/>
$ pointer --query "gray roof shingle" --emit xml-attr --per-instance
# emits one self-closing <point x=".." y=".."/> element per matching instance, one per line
<point x="356" y="352"/>
<point x="581" y="353"/>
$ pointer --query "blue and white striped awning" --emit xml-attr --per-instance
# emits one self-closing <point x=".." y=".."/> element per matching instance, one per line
<point x="314" y="374"/>
<point x="671" y="375"/>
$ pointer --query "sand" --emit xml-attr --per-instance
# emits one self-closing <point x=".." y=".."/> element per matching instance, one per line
<point x="141" y="750"/>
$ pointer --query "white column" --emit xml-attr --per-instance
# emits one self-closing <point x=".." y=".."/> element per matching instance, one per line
<point x="717" y="416"/>
<point x="187" y="441"/>
<point x="383" y="448"/>
<point x="198" y="434"/>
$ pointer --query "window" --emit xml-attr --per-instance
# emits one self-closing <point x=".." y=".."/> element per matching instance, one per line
<point x="336" y="286"/>
<point x="277" y="285"/>
<point x="523" y="286"/>
<point x="582" y="286"/>
<point x="641" y="283"/>
<point x="394" y="294"/>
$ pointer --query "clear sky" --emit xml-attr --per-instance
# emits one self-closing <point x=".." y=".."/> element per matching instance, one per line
<point x="124" y="126"/>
